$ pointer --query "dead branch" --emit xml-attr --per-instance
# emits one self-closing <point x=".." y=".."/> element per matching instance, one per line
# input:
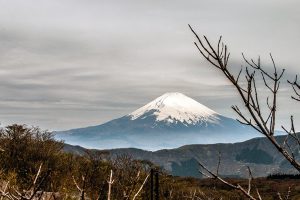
<point x="140" y="189"/>
<point x="110" y="182"/>
<point x="12" y="193"/>
<point x="236" y="187"/>
<point x="296" y="87"/>
<point x="264" y="124"/>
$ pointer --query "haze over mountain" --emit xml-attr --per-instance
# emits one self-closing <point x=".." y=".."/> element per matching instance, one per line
<point x="170" y="121"/>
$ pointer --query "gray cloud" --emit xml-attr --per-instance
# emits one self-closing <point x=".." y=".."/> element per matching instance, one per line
<point x="67" y="64"/>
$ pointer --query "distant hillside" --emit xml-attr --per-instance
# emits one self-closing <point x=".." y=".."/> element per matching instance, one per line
<point x="256" y="153"/>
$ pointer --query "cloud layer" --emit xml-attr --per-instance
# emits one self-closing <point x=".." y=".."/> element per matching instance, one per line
<point x="67" y="64"/>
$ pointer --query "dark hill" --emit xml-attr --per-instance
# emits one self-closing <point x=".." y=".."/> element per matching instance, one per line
<point x="256" y="153"/>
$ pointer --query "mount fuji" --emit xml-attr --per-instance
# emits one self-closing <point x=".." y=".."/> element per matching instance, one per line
<point x="170" y="121"/>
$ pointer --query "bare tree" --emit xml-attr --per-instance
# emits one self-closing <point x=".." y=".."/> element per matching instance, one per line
<point x="265" y="124"/>
<point x="82" y="188"/>
<point x="33" y="192"/>
<point x="253" y="115"/>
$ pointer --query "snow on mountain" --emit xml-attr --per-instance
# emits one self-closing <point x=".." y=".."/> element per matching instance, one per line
<point x="170" y="121"/>
<point x="174" y="107"/>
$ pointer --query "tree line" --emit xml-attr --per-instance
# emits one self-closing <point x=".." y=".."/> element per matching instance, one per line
<point x="33" y="165"/>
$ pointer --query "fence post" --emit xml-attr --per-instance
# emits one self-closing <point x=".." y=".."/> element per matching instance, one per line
<point x="156" y="186"/>
<point x="151" y="183"/>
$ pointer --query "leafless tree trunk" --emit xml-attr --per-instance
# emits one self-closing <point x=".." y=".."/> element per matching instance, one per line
<point x="138" y="192"/>
<point x="110" y="182"/>
<point x="80" y="189"/>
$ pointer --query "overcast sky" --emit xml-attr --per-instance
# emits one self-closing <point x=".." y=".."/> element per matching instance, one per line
<point x="74" y="63"/>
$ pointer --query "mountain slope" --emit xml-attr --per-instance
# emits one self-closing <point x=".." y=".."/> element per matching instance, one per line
<point x="170" y="121"/>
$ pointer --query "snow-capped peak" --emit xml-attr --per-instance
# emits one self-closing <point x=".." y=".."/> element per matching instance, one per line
<point x="173" y="107"/>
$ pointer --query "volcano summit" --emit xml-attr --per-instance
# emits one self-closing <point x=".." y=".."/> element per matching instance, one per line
<point x="170" y="121"/>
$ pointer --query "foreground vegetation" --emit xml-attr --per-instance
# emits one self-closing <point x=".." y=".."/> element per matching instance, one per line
<point x="34" y="165"/>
